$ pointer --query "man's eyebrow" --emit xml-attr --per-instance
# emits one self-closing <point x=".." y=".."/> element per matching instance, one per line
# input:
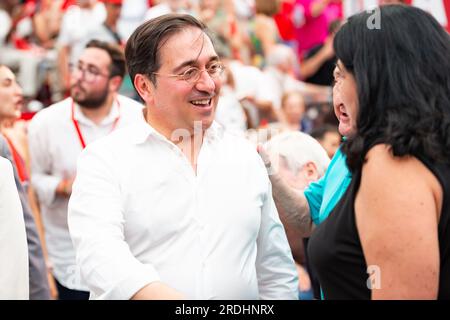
<point x="192" y="62"/>
<point x="88" y="65"/>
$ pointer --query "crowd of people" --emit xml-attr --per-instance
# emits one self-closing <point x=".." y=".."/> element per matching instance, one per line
<point x="224" y="149"/>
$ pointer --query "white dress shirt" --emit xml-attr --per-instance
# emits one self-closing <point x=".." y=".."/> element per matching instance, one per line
<point x="139" y="214"/>
<point x="54" y="149"/>
<point x="13" y="240"/>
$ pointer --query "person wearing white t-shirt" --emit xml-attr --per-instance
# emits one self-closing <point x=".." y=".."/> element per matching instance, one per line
<point x="60" y="132"/>
<point x="78" y="21"/>
<point x="175" y="207"/>
<point x="166" y="7"/>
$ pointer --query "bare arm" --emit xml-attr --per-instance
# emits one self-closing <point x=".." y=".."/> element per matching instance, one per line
<point x="318" y="7"/>
<point x="311" y="65"/>
<point x="158" y="291"/>
<point x="63" y="65"/>
<point x="397" y="212"/>
<point x="292" y="205"/>
<point x="316" y="93"/>
<point x="263" y="105"/>
<point x="293" y="208"/>
<point x="40" y="28"/>
<point x="265" y="32"/>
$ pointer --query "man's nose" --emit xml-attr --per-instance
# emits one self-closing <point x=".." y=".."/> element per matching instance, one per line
<point x="205" y="83"/>
<point x="18" y="90"/>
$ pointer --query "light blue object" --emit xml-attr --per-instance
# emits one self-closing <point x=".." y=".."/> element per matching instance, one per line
<point x="324" y="194"/>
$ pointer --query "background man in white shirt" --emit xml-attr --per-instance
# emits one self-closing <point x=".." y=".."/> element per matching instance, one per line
<point x="176" y="207"/>
<point x="58" y="134"/>
<point x="13" y="240"/>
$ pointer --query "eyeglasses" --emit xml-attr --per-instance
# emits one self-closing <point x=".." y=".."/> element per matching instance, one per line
<point x="89" y="73"/>
<point x="192" y="75"/>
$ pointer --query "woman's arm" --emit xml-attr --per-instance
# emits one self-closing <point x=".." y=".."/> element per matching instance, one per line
<point x="292" y="205"/>
<point x="397" y="212"/>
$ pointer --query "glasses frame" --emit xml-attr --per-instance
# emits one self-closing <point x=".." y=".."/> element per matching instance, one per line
<point x="85" y="70"/>
<point x="194" y="79"/>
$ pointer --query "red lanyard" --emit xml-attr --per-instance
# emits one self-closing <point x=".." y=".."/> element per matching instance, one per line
<point x="77" y="127"/>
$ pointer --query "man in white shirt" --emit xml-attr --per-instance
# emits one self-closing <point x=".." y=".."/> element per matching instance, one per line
<point x="13" y="240"/>
<point x="58" y="134"/>
<point x="177" y="208"/>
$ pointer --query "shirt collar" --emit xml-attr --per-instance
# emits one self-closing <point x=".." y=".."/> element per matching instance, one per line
<point x="113" y="114"/>
<point x="142" y="131"/>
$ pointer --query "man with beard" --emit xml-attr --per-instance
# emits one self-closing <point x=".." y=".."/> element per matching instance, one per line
<point x="60" y="132"/>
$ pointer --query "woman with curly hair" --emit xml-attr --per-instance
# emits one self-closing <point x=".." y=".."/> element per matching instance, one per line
<point x="389" y="235"/>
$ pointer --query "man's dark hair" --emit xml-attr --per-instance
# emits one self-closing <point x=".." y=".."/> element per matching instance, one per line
<point x="142" y="49"/>
<point x="402" y="74"/>
<point x="117" y="67"/>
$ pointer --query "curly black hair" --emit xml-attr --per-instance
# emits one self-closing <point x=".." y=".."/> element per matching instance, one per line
<point x="402" y="72"/>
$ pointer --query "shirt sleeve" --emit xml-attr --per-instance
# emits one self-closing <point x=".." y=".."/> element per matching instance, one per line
<point x="277" y="276"/>
<point x="96" y="224"/>
<point x="314" y="196"/>
<point x="38" y="142"/>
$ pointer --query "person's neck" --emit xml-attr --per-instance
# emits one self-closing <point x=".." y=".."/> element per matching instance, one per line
<point x="87" y="6"/>
<point x="100" y="113"/>
<point x="174" y="136"/>
<point x="294" y="126"/>
<point x="5" y="124"/>
<point x="188" y="140"/>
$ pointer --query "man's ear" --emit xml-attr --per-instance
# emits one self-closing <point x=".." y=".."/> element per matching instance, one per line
<point x="310" y="171"/>
<point x="145" y="88"/>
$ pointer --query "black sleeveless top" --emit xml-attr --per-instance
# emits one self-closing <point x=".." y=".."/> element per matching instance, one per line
<point x="336" y="254"/>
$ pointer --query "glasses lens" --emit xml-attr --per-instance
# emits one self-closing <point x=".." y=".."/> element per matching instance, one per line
<point x="191" y="75"/>
<point x="215" y="70"/>
<point x="85" y="73"/>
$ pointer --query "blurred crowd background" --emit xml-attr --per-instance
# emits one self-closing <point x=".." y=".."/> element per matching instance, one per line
<point x="278" y="53"/>
<point x="278" y="57"/>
